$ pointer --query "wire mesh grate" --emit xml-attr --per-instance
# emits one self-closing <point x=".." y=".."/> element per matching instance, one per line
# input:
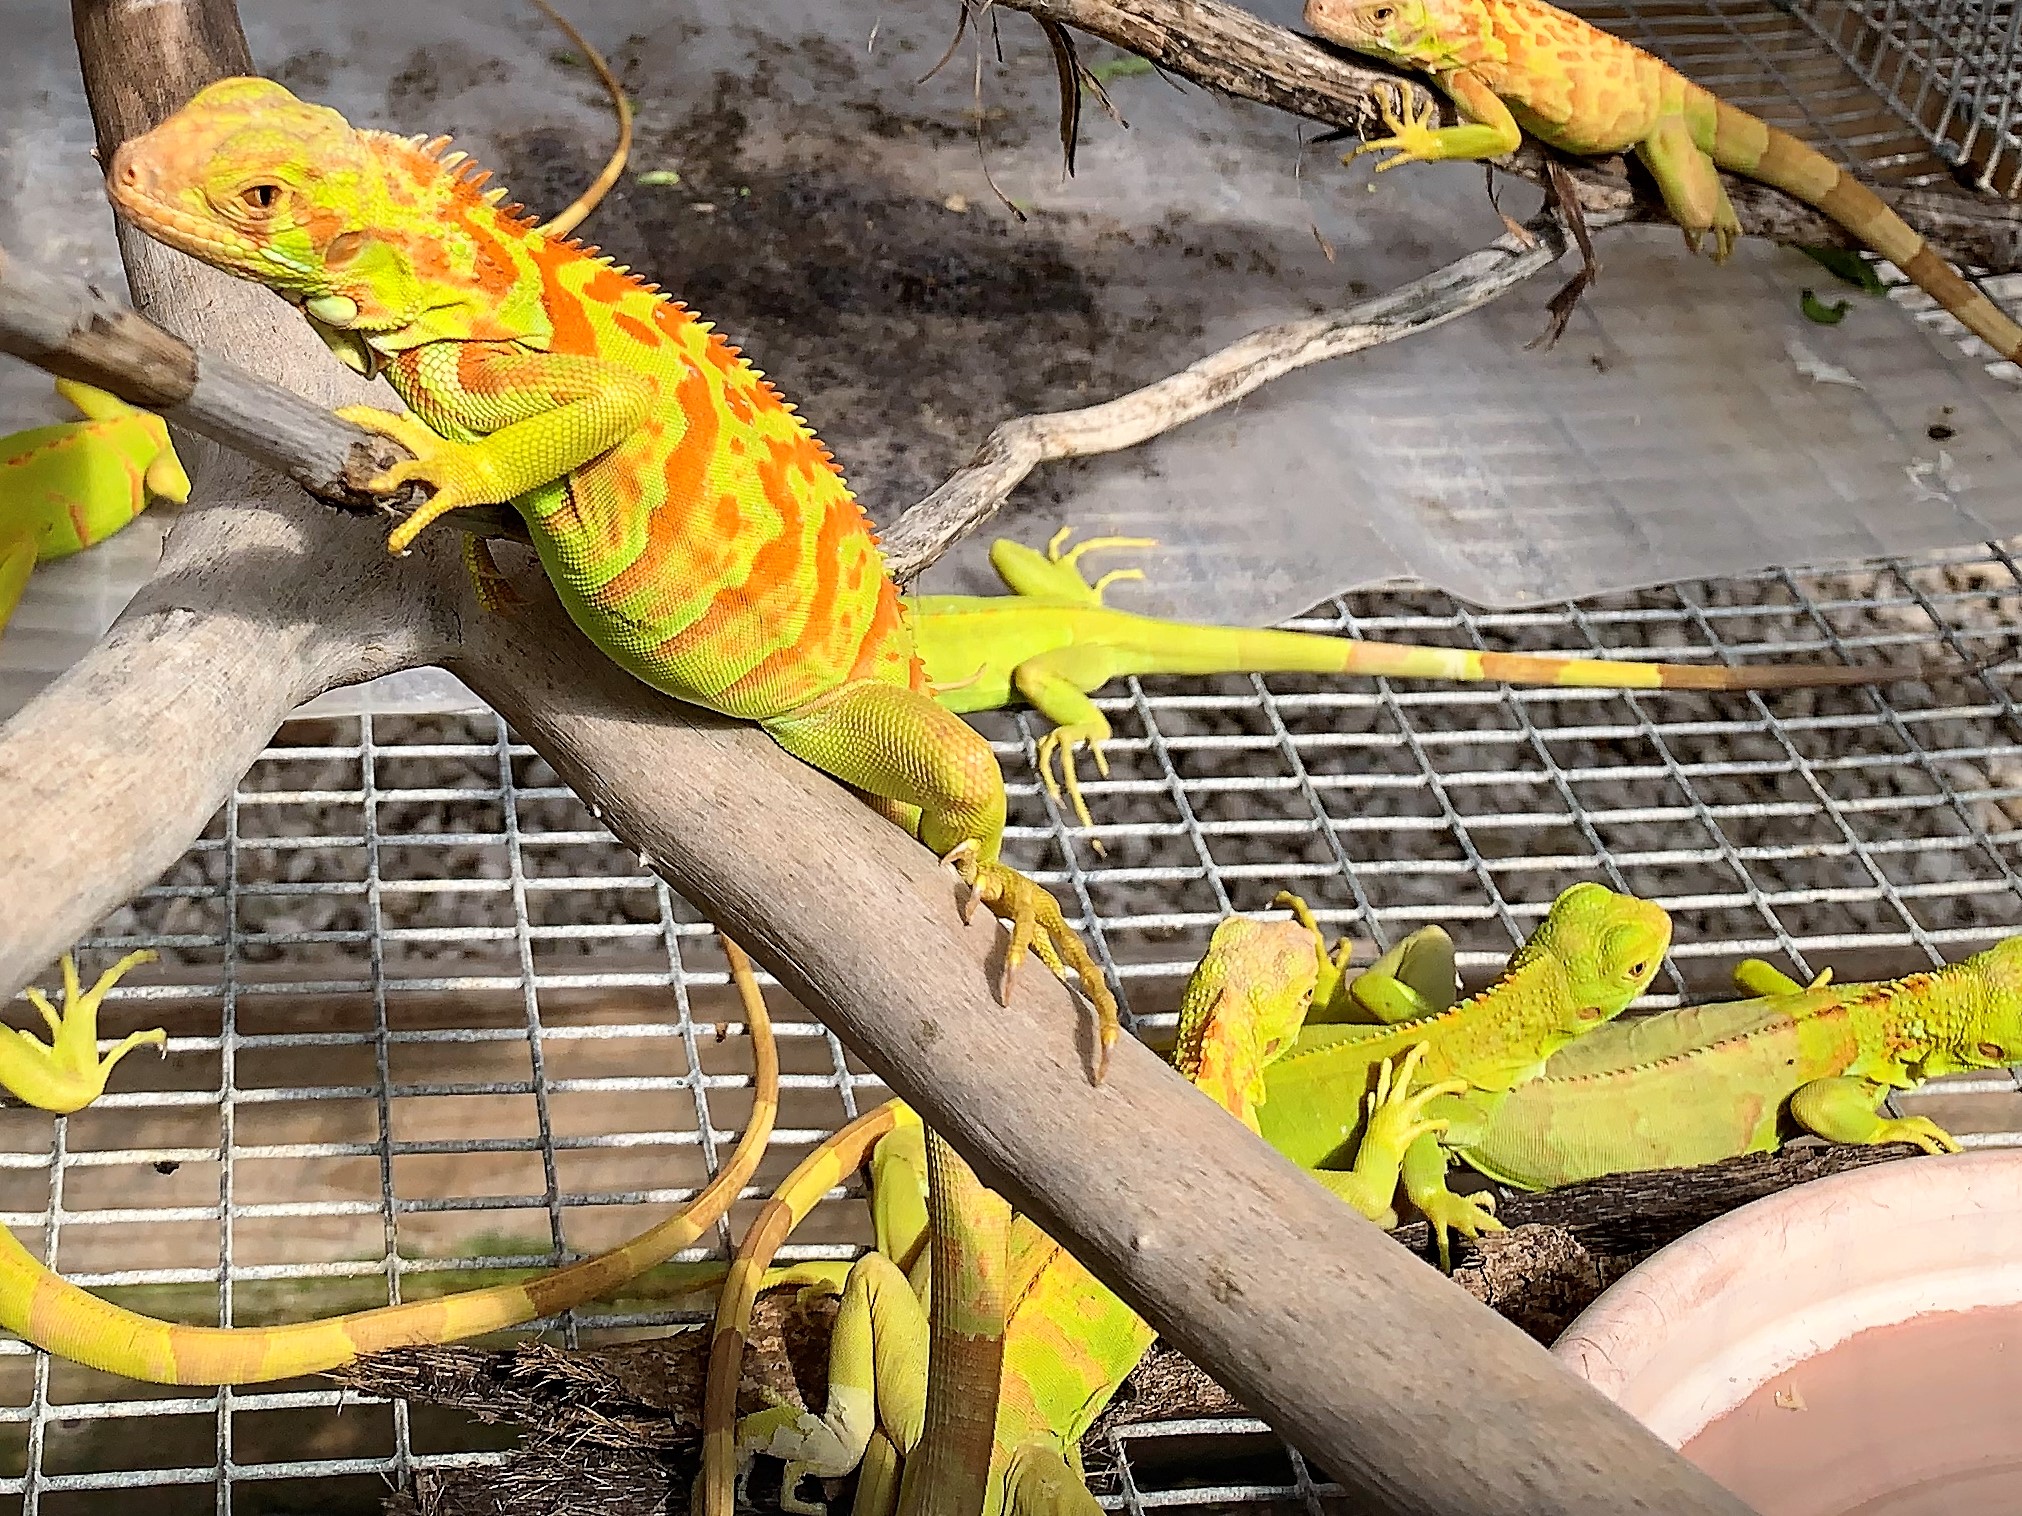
<point x="428" y="1020"/>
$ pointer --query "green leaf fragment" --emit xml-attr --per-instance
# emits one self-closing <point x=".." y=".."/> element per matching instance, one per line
<point x="1850" y="265"/>
<point x="1817" y="310"/>
<point x="1119" y="68"/>
<point x="657" y="176"/>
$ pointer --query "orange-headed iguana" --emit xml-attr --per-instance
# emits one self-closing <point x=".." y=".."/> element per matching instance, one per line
<point x="693" y="526"/>
<point x="1516" y="66"/>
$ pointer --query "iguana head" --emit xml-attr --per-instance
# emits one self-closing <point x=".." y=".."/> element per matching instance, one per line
<point x="379" y="240"/>
<point x="1607" y="946"/>
<point x="1244" y="1005"/>
<point x="1417" y="34"/>
<point x="1993" y="1038"/>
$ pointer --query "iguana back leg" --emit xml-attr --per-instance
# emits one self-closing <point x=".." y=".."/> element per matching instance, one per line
<point x="1847" y="1110"/>
<point x="1415" y="979"/>
<point x="1690" y="185"/>
<point x="1057" y="685"/>
<point x="1057" y="575"/>
<point x="898" y="744"/>
<point x="1040" y="1482"/>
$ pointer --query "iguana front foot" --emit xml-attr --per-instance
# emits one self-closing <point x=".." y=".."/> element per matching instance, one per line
<point x="1038" y="926"/>
<point x="453" y="469"/>
<point x="1921" y="1130"/>
<point x="1414" y="137"/>
<point x="1396" y="1119"/>
<point x="1468" y="1214"/>
<point x="66" y="1074"/>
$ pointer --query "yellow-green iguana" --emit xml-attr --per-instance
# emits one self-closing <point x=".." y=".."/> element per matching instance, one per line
<point x="39" y="1306"/>
<point x="1516" y="66"/>
<point x="1053" y="642"/>
<point x="1068" y="1342"/>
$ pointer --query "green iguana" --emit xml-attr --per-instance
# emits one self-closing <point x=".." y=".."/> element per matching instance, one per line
<point x="1068" y="1341"/>
<point x="1593" y="954"/>
<point x="66" y="487"/>
<point x="1516" y="66"/>
<point x="1053" y="642"/>
<point x="691" y="523"/>
<point x="1704" y="1083"/>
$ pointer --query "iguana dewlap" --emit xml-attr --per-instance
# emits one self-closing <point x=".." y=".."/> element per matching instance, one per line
<point x="1516" y="66"/>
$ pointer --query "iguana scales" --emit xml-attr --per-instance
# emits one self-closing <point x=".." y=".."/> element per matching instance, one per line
<point x="1516" y="66"/>
<point x="691" y="523"/>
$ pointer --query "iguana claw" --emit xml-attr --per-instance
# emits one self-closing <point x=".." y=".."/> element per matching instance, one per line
<point x="65" y="1074"/>
<point x="1037" y="926"/>
<point x="1413" y="136"/>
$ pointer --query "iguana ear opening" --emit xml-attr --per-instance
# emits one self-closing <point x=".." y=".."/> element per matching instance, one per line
<point x="374" y="277"/>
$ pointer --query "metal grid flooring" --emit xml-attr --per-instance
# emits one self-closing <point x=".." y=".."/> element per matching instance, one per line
<point x="427" y="1018"/>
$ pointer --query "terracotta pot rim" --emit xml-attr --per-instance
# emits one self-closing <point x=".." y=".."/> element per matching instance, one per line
<point x="1692" y="1331"/>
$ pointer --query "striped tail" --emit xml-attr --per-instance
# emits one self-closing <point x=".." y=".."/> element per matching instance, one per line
<point x="1245" y="651"/>
<point x="1752" y="147"/>
<point x="47" y="1310"/>
<point x="822" y="1170"/>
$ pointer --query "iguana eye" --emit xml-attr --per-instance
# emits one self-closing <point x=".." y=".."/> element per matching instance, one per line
<point x="262" y="196"/>
<point x="1992" y="1052"/>
<point x="1383" y="15"/>
<point x="1636" y="969"/>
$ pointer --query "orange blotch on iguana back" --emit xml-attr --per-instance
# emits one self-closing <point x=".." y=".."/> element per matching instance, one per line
<point x="555" y="262"/>
<point x="607" y="287"/>
<point x="634" y="328"/>
<point x="669" y="539"/>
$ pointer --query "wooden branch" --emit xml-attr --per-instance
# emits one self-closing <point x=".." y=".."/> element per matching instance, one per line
<point x="1226" y="48"/>
<point x="1423" y="1402"/>
<point x="71" y="329"/>
<point x="975" y="493"/>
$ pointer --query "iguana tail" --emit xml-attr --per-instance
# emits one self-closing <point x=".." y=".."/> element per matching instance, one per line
<point x="1752" y="147"/>
<point x="45" y="1309"/>
<point x="1237" y="650"/>
<point x="833" y="1161"/>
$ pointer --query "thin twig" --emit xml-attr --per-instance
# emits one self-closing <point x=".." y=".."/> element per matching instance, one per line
<point x="975" y="492"/>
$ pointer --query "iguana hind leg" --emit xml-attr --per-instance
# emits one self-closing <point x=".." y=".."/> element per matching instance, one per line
<point x="65" y="1074"/>
<point x="1396" y="1124"/>
<point x="1690" y="185"/>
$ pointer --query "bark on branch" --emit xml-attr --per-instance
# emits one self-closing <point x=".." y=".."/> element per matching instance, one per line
<point x="1226" y="48"/>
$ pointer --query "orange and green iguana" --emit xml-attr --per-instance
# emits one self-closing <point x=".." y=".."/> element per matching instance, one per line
<point x="1704" y="1083"/>
<point x="1053" y="642"/>
<point x="1516" y="66"/>
<point x="1068" y="1342"/>
<point x="691" y="523"/>
<point x="39" y="1306"/>
<point x="68" y="486"/>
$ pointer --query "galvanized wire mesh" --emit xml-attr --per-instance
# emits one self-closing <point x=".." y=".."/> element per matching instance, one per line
<point x="429" y="1020"/>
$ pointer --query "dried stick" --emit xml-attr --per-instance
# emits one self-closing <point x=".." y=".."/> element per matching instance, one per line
<point x="1424" y="1401"/>
<point x="1229" y="49"/>
<point x="975" y="492"/>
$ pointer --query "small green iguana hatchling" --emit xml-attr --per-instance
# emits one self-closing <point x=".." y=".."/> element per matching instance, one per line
<point x="1593" y="954"/>
<point x="1516" y="66"/>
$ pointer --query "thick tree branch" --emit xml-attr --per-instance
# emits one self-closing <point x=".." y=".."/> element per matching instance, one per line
<point x="1229" y="49"/>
